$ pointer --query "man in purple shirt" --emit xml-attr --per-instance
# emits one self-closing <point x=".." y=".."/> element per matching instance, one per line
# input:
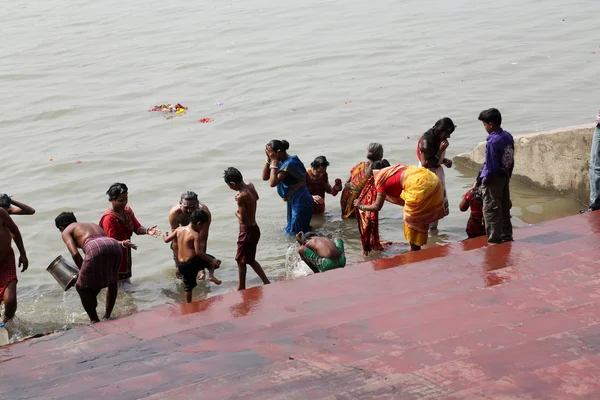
<point x="495" y="177"/>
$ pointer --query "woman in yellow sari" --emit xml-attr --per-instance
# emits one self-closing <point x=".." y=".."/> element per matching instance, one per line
<point x="359" y="175"/>
<point x="417" y="189"/>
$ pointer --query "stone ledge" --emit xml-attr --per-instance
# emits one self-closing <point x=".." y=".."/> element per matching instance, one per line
<point x="557" y="159"/>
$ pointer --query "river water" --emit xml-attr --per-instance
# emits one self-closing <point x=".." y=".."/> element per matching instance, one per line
<point x="328" y="76"/>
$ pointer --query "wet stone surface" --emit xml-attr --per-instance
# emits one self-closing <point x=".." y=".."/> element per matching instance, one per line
<point x="517" y="320"/>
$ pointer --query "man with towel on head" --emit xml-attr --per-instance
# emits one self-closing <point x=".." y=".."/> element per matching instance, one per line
<point x="100" y="267"/>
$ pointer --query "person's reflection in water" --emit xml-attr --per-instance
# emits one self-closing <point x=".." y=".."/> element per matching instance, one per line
<point x="498" y="265"/>
<point x="251" y="300"/>
<point x="199" y="306"/>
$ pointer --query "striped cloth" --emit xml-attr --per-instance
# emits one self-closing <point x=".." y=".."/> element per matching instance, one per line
<point x="101" y="263"/>
<point x="8" y="271"/>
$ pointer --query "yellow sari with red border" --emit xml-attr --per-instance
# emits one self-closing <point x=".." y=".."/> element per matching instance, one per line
<point x="422" y="197"/>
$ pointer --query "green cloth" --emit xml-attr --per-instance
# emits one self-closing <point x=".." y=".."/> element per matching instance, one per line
<point x="325" y="264"/>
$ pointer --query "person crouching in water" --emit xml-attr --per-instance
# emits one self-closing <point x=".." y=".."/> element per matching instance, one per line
<point x="191" y="251"/>
<point x="473" y="199"/>
<point x="100" y="267"/>
<point x="320" y="253"/>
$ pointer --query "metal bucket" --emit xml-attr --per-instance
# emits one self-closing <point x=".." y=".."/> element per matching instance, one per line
<point x="64" y="272"/>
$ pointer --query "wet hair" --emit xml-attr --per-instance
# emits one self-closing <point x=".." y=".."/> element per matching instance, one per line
<point x="116" y="189"/>
<point x="307" y="236"/>
<point x="375" y="152"/>
<point x="278" y="145"/>
<point x="381" y="164"/>
<point x="233" y="175"/>
<point x="444" y="124"/>
<point x="5" y="201"/>
<point x="65" y="219"/>
<point x="319" y="162"/>
<point x="491" y="116"/>
<point x="199" y="216"/>
<point x="189" y="196"/>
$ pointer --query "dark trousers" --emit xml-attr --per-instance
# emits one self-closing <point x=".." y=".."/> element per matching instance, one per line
<point x="496" y="209"/>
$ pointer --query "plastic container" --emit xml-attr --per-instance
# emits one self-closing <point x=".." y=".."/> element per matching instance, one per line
<point x="4" y="338"/>
<point x="64" y="272"/>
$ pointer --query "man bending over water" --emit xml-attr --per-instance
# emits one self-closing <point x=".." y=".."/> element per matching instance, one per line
<point x="320" y="253"/>
<point x="100" y="267"/>
<point x="8" y="269"/>
<point x="191" y="251"/>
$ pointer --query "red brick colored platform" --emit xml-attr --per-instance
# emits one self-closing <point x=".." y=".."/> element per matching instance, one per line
<point x="465" y="321"/>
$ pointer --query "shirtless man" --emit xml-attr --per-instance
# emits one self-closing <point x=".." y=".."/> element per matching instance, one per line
<point x="320" y="253"/>
<point x="15" y="207"/>
<point x="8" y="270"/>
<point x="180" y="216"/>
<point x="249" y="231"/>
<point x="191" y="251"/>
<point x="100" y="267"/>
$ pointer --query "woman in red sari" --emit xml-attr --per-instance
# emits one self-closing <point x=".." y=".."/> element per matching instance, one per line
<point x="119" y="222"/>
<point x="318" y="184"/>
<point x="359" y="175"/>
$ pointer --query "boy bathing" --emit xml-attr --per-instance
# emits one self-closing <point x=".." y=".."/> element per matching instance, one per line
<point x="320" y="253"/>
<point x="249" y="231"/>
<point x="191" y="251"/>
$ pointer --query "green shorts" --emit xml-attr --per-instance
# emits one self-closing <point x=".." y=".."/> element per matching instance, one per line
<point x="325" y="264"/>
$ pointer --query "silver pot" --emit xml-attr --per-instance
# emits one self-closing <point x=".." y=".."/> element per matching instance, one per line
<point x="64" y="272"/>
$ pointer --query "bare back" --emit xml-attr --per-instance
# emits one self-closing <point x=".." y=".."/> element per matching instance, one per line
<point x="80" y="231"/>
<point x="324" y="247"/>
<point x="186" y="239"/>
<point x="246" y="200"/>
<point x="5" y="234"/>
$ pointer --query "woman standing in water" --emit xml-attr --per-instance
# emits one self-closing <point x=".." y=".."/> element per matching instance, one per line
<point x="359" y="175"/>
<point x="318" y="184"/>
<point x="416" y="189"/>
<point x="288" y="174"/>
<point x="119" y="222"/>
<point x="431" y="152"/>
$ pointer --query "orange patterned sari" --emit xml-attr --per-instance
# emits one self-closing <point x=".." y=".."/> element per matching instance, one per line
<point x="353" y="188"/>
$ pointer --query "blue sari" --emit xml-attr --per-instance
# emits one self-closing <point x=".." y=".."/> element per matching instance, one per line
<point x="299" y="200"/>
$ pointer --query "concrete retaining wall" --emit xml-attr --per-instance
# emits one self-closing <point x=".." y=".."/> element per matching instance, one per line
<point x="557" y="159"/>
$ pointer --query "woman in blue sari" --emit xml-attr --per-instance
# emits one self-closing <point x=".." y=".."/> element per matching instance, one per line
<point x="289" y="175"/>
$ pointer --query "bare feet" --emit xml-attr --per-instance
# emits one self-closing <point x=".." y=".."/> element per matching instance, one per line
<point x="215" y="280"/>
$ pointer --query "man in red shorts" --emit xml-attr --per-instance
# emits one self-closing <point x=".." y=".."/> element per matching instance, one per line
<point x="8" y="270"/>
<point x="249" y="231"/>
<point x="100" y="267"/>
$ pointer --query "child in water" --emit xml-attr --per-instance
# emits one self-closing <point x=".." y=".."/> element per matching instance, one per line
<point x="318" y="184"/>
<point x="473" y="199"/>
<point x="191" y="251"/>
